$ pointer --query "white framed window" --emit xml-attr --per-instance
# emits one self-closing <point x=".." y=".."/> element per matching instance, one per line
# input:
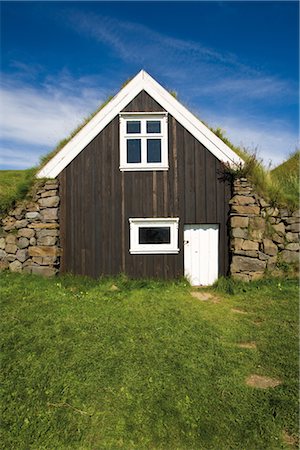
<point x="154" y="235"/>
<point x="144" y="141"/>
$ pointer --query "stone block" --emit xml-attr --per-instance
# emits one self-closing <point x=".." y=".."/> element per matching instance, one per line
<point x="250" y="245"/>
<point x="250" y="253"/>
<point x="246" y="210"/>
<point x="256" y="276"/>
<point x="21" y="223"/>
<point x="27" y="269"/>
<point x="32" y="241"/>
<point x="278" y="239"/>
<point x="11" y="239"/>
<point x="18" y="212"/>
<point x="46" y="240"/>
<point x="289" y="256"/>
<point x="246" y="264"/>
<point x="43" y="251"/>
<point x="41" y="226"/>
<point x="46" y="232"/>
<point x="290" y="220"/>
<point x="274" y="212"/>
<point x="236" y="244"/>
<point x="256" y="235"/>
<point x="26" y="232"/>
<point x="49" y="214"/>
<point x="295" y="228"/>
<point x="11" y="258"/>
<point x="3" y="254"/>
<point x="23" y="242"/>
<point x="45" y="261"/>
<point x="292" y="237"/>
<point x="15" y="266"/>
<point x="296" y="213"/>
<point x="11" y="248"/>
<point x="293" y="246"/>
<point x="242" y="200"/>
<point x="263" y="256"/>
<point x="33" y="215"/>
<point x="263" y="203"/>
<point x="241" y="233"/>
<point x="50" y="184"/>
<point x="239" y="222"/>
<point x="45" y="271"/>
<point x="32" y="207"/>
<point x="279" y="228"/>
<point x="2" y="243"/>
<point x="22" y="255"/>
<point x="49" y="202"/>
<point x="9" y="223"/>
<point x="50" y="193"/>
<point x="257" y="223"/>
<point x="269" y="247"/>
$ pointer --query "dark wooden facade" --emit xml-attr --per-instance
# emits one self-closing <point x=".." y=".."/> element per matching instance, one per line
<point x="97" y="199"/>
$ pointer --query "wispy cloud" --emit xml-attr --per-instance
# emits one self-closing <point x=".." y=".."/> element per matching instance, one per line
<point x="43" y="115"/>
<point x="272" y="140"/>
<point x="183" y="62"/>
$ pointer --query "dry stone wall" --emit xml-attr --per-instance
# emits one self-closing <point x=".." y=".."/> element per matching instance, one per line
<point x="29" y="241"/>
<point x="262" y="237"/>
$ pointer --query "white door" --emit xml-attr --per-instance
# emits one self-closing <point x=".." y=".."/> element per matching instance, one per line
<point x="201" y="244"/>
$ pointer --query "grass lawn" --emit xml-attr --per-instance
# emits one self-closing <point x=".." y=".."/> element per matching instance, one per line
<point x="147" y="366"/>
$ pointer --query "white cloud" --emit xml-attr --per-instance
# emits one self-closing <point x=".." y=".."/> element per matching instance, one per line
<point x="42" y="116"/>
<point x="274" y="140"/>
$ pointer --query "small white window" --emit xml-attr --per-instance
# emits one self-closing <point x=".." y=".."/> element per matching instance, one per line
<point x="143" y="141"/>
<point x="149" y="235"/>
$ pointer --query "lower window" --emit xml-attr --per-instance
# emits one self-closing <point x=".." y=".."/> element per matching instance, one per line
<point x="154" y="235"/>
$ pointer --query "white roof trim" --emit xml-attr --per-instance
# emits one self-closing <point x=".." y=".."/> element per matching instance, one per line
<point x="142" y="81"/>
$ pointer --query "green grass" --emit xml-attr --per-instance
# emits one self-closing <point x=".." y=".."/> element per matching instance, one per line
<point x="14" y="185"/>
<point x="146" y="366"/>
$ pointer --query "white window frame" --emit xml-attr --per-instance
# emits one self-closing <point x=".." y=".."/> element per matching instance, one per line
<point x="137" y="223"/>
<point x="163" y="136"/>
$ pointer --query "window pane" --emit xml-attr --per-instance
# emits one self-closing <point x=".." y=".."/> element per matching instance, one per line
<point x="154" y="235"/>
<point x="133" y="126"/>
<point x="133" y="150"/>
<point x="153" y="126"/>
<point x="153" y="150"/>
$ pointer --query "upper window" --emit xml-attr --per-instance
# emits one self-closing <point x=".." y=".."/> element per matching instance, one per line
<point x="143" y="141"/>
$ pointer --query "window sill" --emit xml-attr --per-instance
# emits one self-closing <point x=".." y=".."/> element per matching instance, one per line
<point x="143" y="169"/>
<point x="152" y="252"/>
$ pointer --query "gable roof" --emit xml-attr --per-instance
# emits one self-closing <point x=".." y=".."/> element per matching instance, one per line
<point x="142" y="81"/>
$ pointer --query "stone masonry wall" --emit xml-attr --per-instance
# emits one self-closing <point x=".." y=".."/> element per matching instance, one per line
<point x="262" y="237"/>
<point x="29" y="240"/>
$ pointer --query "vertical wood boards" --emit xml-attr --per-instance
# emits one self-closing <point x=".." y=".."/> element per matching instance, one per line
<point x="97" y="200"/>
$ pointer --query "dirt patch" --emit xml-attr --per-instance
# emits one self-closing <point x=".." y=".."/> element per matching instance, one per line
<point x="261" y="382"/>
<point x="247" y="345"/>
<point x="289" y="440"/>
<point x="205" y="296"/>
<point x="238" y="311"/>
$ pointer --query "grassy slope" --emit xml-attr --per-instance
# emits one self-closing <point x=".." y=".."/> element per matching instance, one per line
<point x="287" y="176"/>
<point x="146" y="366"/>
<point x="14" y="185"/>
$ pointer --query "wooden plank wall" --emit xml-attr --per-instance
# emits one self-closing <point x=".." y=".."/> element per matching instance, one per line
<point x="97" y="200"/>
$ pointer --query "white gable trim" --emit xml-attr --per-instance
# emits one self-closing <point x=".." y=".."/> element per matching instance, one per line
<point x="142" y="81"/>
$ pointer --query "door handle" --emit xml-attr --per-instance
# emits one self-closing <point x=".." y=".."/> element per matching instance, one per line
<point x="185" y="242"/>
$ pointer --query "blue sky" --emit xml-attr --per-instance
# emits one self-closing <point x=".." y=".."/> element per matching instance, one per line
<point x="234" y="64"/>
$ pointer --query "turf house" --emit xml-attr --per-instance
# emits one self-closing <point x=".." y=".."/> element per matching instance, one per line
<point x="141" y="189"/>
